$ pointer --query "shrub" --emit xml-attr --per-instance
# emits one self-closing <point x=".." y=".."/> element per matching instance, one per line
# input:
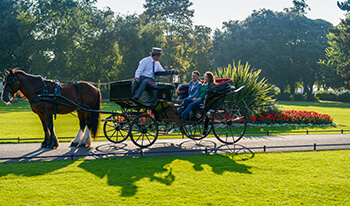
<point x="255" y="92"/>
<point x="326" y="95"/>
<point x="299" y="97"/>
<point x="312" y="98"/>
<point x="344" y="97"/>
<point x="283" y="97"/>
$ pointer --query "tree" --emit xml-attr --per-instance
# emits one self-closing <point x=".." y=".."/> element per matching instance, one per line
<point x="174" y="17"/>
<point x="11" y="53"/>
<point x="338" y="52"/>
<point x="345" y="6"/>
<point x="284" y="45"/>
<point x="72" y="39"/>
<point x="299" y="6"/>
<point x="134" y="41"/>
<point x="200" y="49"/>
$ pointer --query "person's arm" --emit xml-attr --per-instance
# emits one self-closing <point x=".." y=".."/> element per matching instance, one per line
<point x="159" y="68"/>
<point x="182" y="85"/>
<point x="206" y="94"/>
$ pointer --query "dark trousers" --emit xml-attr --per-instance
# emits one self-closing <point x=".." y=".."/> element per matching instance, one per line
<point x="140" y="86"/>
<point x="190" y="106"/>
<point x="187" y="101"/>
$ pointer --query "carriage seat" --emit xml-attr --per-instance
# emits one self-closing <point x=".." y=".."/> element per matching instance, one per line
<point x="220" y="81"/>
<point x="159" y="86"/>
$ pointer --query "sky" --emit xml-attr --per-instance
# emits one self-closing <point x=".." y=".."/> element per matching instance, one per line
<point x="212" y="13"/>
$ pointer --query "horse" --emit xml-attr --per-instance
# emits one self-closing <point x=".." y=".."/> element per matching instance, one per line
<point x="34" y="88"/>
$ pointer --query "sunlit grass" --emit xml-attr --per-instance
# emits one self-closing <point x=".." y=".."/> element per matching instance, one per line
<point x="303" y="178"/>
<point x="17" y="120"/>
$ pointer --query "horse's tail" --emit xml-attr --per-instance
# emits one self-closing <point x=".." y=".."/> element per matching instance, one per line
<point x="95" y="116"/>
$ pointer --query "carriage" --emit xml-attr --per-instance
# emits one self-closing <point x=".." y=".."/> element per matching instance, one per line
<point x="157" y="111"/>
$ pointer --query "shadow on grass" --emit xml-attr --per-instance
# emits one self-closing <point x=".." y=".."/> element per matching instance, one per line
<point x="125" y="172"/>
<point x="31" y="169"/>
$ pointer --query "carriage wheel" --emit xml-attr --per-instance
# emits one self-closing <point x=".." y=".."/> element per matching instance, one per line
<point x="229" y="122"/>
<point x="116" y="128"/>
<point x="196" y="130"/>
<point x="144" y="131"/>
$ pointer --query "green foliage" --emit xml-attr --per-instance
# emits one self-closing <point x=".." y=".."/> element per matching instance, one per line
<point x="299" y="6"/>
<point x="344" y="97"/>
<point x="12" y="54"/>
<point x="299" y="97"/>
<point x="255" y="92"/>
<point x="326" y="95"/>
<point x="73" y="40"/>
<point x="338" y="52"/>
<point x="298" y="40"/>
<point x="331" y="96"/>
<point x="345" y="6"/>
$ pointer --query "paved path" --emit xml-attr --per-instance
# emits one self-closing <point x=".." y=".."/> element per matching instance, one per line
<point x="251" y="144"/>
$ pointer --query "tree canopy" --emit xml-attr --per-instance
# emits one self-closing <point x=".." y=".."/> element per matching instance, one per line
<point x="285" y="45"/>
<point x="74" y="40"/>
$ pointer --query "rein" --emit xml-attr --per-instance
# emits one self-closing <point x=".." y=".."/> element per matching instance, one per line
<point x="21" y="88"/>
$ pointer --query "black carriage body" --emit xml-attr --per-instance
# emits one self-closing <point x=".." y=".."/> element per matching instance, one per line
<point x="121" y="93"/>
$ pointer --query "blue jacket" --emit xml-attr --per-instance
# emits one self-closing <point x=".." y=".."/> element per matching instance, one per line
<point x="193" y="88"/>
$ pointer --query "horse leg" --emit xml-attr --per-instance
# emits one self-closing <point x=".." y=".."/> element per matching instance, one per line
<point x="53" y="143"/>
<point x="45" y="143"/>
<point x="82" y="124"/>
<point x="87" y="140"/>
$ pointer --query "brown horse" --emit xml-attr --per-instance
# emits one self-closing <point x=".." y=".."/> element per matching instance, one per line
<point x="34" y="88"/>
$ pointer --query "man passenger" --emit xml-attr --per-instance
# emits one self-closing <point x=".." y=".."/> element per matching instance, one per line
<point x="193" y="88"/>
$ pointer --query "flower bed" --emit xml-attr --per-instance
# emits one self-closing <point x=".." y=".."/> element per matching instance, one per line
<point x="291" y="117"/>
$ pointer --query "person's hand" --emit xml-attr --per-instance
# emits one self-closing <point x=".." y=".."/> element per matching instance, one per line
<point x="195" y="99"/>
<point x="165" y="68"/>
<point x="136" y="79"/>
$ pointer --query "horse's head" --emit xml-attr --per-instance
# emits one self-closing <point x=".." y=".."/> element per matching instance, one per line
<point x="10" y="86"/>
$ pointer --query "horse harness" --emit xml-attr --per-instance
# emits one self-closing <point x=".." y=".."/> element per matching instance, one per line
<point x="45" y="95"/>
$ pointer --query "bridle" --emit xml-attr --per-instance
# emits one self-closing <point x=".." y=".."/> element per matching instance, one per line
<point x="13" y="79"/>
<point x="9" y="81"/>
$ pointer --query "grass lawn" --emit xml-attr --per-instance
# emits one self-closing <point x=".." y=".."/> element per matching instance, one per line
<point x="17" y="120"/>
<point x="302" y="178"/>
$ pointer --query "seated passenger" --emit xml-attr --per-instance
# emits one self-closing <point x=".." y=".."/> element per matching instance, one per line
<point x="193" y="86"/>
<point x="209" y="80"/>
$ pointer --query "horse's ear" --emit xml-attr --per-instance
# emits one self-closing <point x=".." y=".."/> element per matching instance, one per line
<point x="11" y="71"/>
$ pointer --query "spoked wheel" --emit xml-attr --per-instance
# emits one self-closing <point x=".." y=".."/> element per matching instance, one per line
<point x="144" y="130"/>
<point x="196" y="130"/>
<point x="116" y="128"/>
<point x="229" y="122"/>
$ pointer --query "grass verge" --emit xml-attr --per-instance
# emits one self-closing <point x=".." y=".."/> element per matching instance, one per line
<point x="18" y="120"/>
<point x="309" y="178"/>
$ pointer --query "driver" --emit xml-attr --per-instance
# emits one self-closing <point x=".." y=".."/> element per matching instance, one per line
<point x="145" y="72"/>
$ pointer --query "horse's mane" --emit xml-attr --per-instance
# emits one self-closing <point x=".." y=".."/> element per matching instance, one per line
<point x="18" y="71"/>
<point x="21" y="72"/>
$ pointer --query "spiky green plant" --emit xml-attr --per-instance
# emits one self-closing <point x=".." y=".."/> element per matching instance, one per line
<point x="256" y="90"/>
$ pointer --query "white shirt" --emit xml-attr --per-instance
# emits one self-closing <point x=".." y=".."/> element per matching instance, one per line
<point x="146" y="67"/>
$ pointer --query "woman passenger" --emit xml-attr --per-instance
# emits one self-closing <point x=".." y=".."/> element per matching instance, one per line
<point x="209" y="80"/>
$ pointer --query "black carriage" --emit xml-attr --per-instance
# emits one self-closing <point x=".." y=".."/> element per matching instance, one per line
<point x="157" y="110"/>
